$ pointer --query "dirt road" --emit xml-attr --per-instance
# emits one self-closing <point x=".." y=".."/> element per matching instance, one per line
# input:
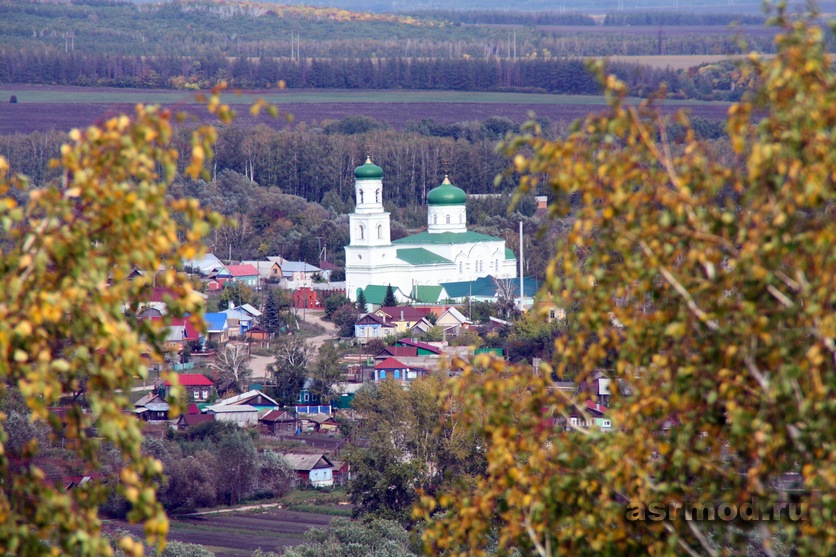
<point x="259" y="363"/>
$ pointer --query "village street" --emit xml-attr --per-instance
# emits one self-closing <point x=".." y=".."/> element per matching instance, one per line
<point x="259" y="363"/>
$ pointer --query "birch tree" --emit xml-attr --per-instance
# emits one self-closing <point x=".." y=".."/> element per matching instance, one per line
<point x="706" y="293"/>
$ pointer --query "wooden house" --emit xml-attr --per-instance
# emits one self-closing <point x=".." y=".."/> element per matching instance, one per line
<point x="312" y="469"/>
<point x="276" y="422"/>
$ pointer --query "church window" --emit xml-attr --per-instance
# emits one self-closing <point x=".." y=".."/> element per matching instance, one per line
<point x="377" y="196"/>
<point x="379" y="231"/>
<point x="361" y="196"/>
<point x="448" y="219"/>
<point x="461" y="266"/>
<point x="362" y="232"/>
<point x="435" y="219"/>
<point x="497" y="265"/>
<point x="461" y="218"/>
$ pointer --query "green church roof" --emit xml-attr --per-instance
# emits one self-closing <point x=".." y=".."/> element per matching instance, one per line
<point x="376" y="293"/>
<point x="448" y="238"/>
<point x="368" y="171"/>
<point x="446" y="194"/>
<point x="420" y="256"/>
<point x="427" y="294"/>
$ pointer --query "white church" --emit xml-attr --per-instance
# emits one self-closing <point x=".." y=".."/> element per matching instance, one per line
<point x="446" y="253"/>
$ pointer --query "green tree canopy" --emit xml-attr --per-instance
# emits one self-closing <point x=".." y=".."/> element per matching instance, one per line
<point x="703" y="287"/>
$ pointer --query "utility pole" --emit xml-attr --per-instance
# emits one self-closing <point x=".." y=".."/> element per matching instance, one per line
<point x="522" y="261"/>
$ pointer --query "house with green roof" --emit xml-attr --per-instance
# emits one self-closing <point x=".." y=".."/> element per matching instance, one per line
<point x="418" y="265"/>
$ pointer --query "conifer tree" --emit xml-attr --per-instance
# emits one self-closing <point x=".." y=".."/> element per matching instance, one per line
<point x="389" y="299"/>
<point x="362" y="306"/>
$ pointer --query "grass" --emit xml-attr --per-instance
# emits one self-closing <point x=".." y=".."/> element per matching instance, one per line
<point x="306" y="497"/>
<point x="80" y="95"/>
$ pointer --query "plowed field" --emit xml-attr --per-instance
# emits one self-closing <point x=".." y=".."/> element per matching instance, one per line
<point x="239" y="534"/>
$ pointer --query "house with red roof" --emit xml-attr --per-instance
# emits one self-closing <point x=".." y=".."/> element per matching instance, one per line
<point x="390" y="368"/>
<point x="591" y="414"/>
<point x="404" y="317"/>
<point x="198" y="387"/>
<point x="372" y="325"/>
<point x="424" y="349"/>
<point x="241" y="274"/>
<point x="397" y="352"/>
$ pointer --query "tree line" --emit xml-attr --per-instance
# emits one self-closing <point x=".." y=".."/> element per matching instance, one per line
<point x="289" y="192"/>
<point x="271" y="30"/>
<point x="538" y="75"/>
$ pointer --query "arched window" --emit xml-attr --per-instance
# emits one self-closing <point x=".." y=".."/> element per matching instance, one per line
<point x="379" y="231"/>
<point x="461" y="218"/>
<point x="448" y="219"/>
<point x="497" y="265"/>
<point x="361" y="196"/>
<point x="362" y="232"/>
<point x="377" y="196"/>
<point x="461" y="267"/>
<point x="435" y="219"/>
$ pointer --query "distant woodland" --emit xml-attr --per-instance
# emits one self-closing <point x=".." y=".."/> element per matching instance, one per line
<point x="289" y="192"/>
<point x="190" y="44"/>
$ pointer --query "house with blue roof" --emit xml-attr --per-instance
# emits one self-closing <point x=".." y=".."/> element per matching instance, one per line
<point x="217" y="327"/>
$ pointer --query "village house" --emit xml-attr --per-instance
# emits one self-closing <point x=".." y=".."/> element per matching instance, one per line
<point x="403" y="317"/>
<point x="242" y="415"/>
<point x="197" y="386"/>
<point x="423" y="348"/>
<point x="240" y="319"/>
<point x="296" y="274"/>
<point x="208" y="265"/>
<point x="241" y="274"/>
<point x="390" y="368"/>
<point x="185" y="421"/>
<point x="318" y="423"/>
<point x="452" y="322"/>
<point x="276" y="422"/>
<point x="373" y="326"/>
<point x="151" y="408"/>
<point x="312" y="469"/>
<point x="253" y="397"/>
<point x="217" y="327"/>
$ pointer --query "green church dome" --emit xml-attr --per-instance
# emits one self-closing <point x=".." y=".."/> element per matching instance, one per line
<point x="446" y="194"/>
<point x="368" y="171"/>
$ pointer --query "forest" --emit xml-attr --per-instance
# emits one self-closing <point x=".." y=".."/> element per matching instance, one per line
<point x="291" y="190"/>
<point x="193" y="45"/>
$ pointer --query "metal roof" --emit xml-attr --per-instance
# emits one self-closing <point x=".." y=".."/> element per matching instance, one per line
<point x="306" y="461"/>
<point x="421" y="256"/>
<point x="232" y="408"/>
<point x="447" y="238"/>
